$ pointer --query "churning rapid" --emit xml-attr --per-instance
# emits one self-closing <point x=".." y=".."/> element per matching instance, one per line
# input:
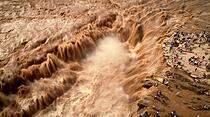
<point x="104" y="58"/>
<point x="98" y="90"/>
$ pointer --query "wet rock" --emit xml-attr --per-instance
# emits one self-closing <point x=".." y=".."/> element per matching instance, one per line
<point x="142" y="104"/>
<point x="162" y="100"/>
<point x="150" y="113"/>
<point x="208" y="68"/>
<point x="145" y="114"/>
<point x="147" y="84"/>
<point x="175" y="44"/>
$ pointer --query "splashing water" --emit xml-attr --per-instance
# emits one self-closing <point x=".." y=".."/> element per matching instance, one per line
<point x="98" y="91"/>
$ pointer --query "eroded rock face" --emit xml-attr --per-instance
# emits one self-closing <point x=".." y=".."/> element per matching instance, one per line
<point x="100" y="58"/>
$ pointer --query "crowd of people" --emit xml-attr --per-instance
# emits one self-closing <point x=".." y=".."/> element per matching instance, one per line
<point x="190" y="52"/>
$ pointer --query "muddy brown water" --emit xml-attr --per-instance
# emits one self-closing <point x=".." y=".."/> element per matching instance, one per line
<point x="97" y="58"/>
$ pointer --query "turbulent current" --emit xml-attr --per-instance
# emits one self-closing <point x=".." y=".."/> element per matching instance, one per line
<point x="98" y="91"/>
